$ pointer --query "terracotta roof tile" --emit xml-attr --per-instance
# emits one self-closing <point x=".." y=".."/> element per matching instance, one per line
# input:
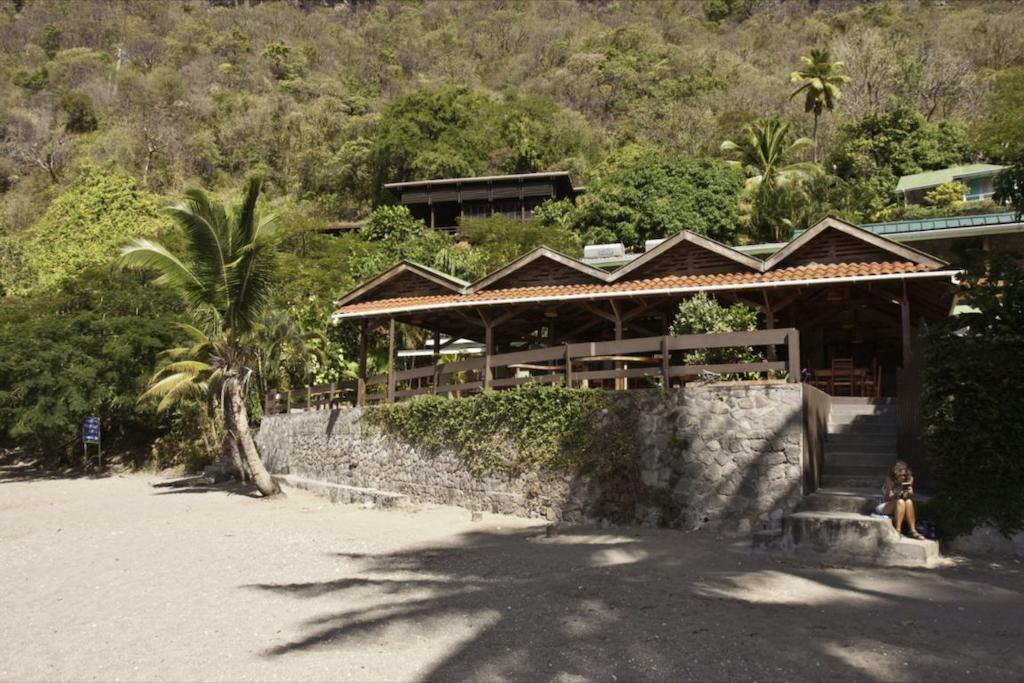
<point x="717" y="280"/>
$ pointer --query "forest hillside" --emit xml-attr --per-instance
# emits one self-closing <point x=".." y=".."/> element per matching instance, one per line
<point x="773" y="113"/>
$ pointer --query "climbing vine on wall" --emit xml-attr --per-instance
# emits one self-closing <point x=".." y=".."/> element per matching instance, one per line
<point x="510" y="432"/>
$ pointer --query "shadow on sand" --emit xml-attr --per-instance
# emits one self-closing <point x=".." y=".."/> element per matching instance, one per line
<point x="651" y="605"/>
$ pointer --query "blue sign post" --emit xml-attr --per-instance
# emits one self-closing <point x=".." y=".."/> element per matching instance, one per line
<point x="91" y="435"/>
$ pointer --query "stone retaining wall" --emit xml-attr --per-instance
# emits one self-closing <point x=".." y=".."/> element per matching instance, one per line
<point x="725" y="457"/>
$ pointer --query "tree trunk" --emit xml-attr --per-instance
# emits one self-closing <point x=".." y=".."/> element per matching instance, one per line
<point x="816" y="115"/>
<point x="238" y="423"/>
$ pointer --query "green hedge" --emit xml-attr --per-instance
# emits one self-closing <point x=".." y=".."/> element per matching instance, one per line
<point x="973" y="403"/>
<point x="510" y="432"/>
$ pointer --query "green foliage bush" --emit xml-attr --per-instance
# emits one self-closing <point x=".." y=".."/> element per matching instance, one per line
<point x="83" y="227"/>
<point x="946" y="194"/>
<point x="87" y="349"/>
<point x="392" y="223"/>
<point x="543" y="428"/>
<point x="643" y="193"/>
<point x="500" y="239"/>
<point x="80" y="112"/>
<point x="702" y="314"/>
<point x="32" y="81"/>
<point x="1009" y="188"/>
<point x="972" y="403"/>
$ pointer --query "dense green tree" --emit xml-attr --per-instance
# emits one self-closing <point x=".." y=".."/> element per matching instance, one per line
<point x="643" y="193"/>
<point x="970" y="405"/>
<point x="819" y="80"/>
<point x="225" y="276"/>
<point x="86" y="348"/>
<point x="80" y="112"/>
<point x="456" y="131"/>
<point x="873" y="152"/>
<point x="1009" y="187"/>
<point x="83" y="226"/>
<point x="499" y="240"/>
<point x="999" y="131"/>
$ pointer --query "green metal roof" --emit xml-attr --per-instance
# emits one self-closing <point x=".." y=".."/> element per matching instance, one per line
<point x="925" y="224"/>
<point x="918" y="181"/>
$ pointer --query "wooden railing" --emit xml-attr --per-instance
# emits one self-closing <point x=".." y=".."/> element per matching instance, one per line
<point x="644" y="362"/>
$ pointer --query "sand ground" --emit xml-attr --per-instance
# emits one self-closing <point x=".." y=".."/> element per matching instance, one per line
<point x="113" y="579"/>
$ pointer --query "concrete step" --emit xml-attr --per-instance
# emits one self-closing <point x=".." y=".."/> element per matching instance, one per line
<point x="856" y="470"/>
<point x="844" y="401"/>
<point x="865" y="411"/>
<point x="848" y="537"/>
<point x="873" y="440"/>
<point x="866" y="426"/>
<point x="844" y="481"/>
<point x="862" y="420"/>
<point x="340" y="493"/>
<point x="837" y="500"/>
<point x="882" y="461"/>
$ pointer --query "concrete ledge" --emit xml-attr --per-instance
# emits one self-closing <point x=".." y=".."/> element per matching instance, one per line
<point x="848" y="537"/>
<point x="339" y="493"/>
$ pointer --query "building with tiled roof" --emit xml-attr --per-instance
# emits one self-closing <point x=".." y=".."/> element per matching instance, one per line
<point x="848" y="292"/>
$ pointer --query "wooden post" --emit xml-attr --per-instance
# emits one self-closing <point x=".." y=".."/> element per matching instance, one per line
<point x="437" y="358"/>
<point x="391" y="360"/>
<point x="288" y="402"/>
<point x="620" y="382"/>
<point x="488" y="352"/>
<point x="330" y="398"/>
<point x="793" y="352"/>
<point x="568" y="368"/>
<point x="361" y="381"/>
<point x="666" y="380"/>
<point x="769" y="323"/>
<point x="309" y="395"/>
<point x="905" y="326"/>
<point x="268" y="403"/>
<point x="431" y="215"/>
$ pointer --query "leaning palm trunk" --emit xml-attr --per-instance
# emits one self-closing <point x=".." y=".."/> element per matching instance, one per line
<point x="238" y="424"/>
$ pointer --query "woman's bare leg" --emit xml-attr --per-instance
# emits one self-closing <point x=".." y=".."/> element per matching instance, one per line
<point x="911" y="517"/>
<point x="901" y="511"/>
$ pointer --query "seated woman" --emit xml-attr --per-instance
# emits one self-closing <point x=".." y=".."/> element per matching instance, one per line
<point x="898" y="498"/>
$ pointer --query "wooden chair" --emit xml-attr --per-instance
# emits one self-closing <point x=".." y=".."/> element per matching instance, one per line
<point x="873" y="382"/>
<point x="842" y="376"/>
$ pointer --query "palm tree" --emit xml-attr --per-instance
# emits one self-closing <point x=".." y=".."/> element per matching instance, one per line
<point x="819" y="79"/>
<point x="225" y="277"/>
<point x="282" y="343"/>
<point x="765" y="154"/>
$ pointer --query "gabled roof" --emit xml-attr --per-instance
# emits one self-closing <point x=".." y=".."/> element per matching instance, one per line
<point x="567" y="262"/>
<point x="838" y="252"/>
<point x="435" y="277"/>
<point x="918" y="181"/>
<point x="901" y="251"/>
<point x="687" y="237"/>
<point x="677" y="285"/>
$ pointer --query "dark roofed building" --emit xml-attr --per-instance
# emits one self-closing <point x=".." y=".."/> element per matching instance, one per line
<point x="441" y="203"/>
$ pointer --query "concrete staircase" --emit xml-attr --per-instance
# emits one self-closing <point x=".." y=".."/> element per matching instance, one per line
<point x="834" y="522"/>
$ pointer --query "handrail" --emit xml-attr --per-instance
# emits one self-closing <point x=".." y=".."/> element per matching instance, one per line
<point x="571" y="364"/>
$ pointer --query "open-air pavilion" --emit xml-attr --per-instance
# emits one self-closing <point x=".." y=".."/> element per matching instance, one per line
<point x="838" y="306"/>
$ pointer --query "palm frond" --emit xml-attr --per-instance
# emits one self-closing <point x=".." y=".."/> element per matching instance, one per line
<point x="180" y="391"/>
<point x="149" y="255"/>
<point x="246" y="223"/>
